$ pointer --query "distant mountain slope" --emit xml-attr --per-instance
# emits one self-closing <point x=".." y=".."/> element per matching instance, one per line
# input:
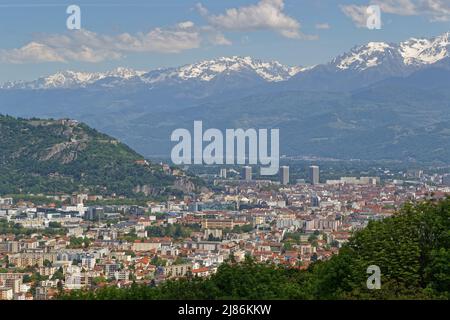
<point x="72" y="79"/>
<point x="67" y="156"/>
<point x="373" y="62"/>
<point x="372" y="124"/>
<point x="272" y="71"/>
<point x="82" y="95"/>
<point x="379" y="100"/>
<point x="204" y="71"/>
<point x="362" y="65"/>
<point x="424" y="79"/>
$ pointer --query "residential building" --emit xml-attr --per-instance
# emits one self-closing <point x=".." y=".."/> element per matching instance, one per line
<point x="284" y="175"/>
<point x="314" y="175"/>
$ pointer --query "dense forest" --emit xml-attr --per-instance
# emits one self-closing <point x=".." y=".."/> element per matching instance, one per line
<point x="412" y="249"/>
<point x="64" y="156"/>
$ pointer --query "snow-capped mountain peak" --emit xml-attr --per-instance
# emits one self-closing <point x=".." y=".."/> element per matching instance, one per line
<point x="412" y="53"/>
<point x="72" y="79"/>
<point x="124" y="73"/>
<point x="67" y="79"/>
<point x="207" y="70"/>
<point x="380" y="58"/>
<point x="425" y="51"/>
<point x="363" y="57"/>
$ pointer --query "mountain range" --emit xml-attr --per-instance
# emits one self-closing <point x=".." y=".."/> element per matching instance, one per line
<point x="205" y="71"/>
<point x="379" y="101"/>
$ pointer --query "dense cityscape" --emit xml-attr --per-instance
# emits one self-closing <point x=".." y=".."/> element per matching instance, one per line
<point x="57" y="243"/>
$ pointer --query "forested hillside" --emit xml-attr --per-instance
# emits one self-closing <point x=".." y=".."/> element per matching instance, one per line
<point x="41" y="156"/>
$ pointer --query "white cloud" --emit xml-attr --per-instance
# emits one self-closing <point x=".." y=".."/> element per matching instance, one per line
<point x="87" y="46"/>
<point x="201" y="9"/>
<point x="440" y="10"/>
<point x="265" y="15"/>
<point x="322" y="26"/>
<point x="398" y="7"/>
<point x="357" y="13"/>
<point x="33" y="52"/>
<point x="185" y="25"/>
<point x="435" y="10"/>
<point x="219" y="39"/>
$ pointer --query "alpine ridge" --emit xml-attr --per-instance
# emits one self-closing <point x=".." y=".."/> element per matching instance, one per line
<point x="411" y="53"/>
<point x="204" y="71"/>
<point x="373" y="102"/>
<point x="387" y="59"/>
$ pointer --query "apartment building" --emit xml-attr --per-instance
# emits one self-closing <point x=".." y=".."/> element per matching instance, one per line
<point x="218" y="224"/>
<point x="178" y="271"/>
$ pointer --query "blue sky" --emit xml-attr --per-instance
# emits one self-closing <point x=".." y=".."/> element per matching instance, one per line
<point x="160" y="33"/>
